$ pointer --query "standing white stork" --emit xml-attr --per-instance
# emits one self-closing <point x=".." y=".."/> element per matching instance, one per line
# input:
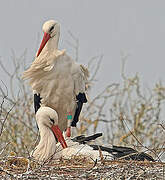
<point x="48" y="147"/>
<point x="57" y="80"/>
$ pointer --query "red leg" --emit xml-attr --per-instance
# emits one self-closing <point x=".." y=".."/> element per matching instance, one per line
<point x="68" y="132"/>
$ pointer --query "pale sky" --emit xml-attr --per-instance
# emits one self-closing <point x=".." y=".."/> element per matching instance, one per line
<point x="108" y="27"/>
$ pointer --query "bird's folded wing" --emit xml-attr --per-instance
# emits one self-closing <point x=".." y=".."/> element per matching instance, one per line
<point x="80" y="76"/>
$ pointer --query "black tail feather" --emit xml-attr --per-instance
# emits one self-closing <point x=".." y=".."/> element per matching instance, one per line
<point x="126" y="153"/>
<point x="82" y="139"/>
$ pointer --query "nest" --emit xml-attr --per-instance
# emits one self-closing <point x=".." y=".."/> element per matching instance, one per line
<point x="79" y="167"/>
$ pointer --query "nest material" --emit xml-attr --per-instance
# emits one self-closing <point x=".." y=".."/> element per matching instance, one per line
<point x="79" y="167"/>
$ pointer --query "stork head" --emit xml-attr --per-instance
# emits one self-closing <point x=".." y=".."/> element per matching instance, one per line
<point x="51" y="30"/>
<point x="51" y="27"/>
<point x="48" y="117"/>
<point x="47" y="120"/>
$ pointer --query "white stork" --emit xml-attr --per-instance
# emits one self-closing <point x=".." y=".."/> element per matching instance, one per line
<point x="48" y="147"/>
<point x="57" y="80"/>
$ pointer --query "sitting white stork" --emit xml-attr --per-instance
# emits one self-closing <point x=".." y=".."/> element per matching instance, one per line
<point x="48" y="147"/>
<point x="47" y="121"/>
<point x="57" y="80"/>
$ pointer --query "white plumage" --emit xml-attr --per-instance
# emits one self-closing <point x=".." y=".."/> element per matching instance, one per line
<point x="47" y="147"/>
<point x="56" y="77"/>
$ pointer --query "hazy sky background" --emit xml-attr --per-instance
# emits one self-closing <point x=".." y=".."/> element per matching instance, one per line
<point x="106" y="27"/>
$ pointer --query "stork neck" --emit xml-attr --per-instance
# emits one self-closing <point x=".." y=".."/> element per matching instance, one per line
<point x="43" y="131"/>
<point x="47" y="145"/>
<point x="46" y="134"/>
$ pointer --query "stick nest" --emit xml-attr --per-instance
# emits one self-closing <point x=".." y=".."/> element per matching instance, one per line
<point x="79" y="167"/>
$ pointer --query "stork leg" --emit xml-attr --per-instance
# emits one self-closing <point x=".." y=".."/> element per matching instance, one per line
<point x="57" y="132"/>
<point x="68" y="132"/>
<point x="81" y="98"/>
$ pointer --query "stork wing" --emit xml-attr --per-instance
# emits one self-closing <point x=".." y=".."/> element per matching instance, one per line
<point x="126" y="153"/>
<point x="80" y="75"/>
<point x="82" y="139"/>
<point x="59" y="80"/>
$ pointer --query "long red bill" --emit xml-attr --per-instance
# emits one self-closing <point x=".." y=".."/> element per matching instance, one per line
<point x="56" y="130"/>
<point x="43" y="43"/>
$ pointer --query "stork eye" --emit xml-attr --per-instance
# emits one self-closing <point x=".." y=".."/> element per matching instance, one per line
<point x="51" y="28"/>
<point x="52" y="120"/>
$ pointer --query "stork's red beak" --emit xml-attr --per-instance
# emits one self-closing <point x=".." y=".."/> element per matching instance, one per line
<point x="43" y="43"/>
<point x="56" y="130"/>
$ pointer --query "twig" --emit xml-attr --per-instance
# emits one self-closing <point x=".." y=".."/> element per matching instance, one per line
<point x="3" y="123"/>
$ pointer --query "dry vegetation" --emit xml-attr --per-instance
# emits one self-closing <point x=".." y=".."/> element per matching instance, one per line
<point x="128" y="114"/>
